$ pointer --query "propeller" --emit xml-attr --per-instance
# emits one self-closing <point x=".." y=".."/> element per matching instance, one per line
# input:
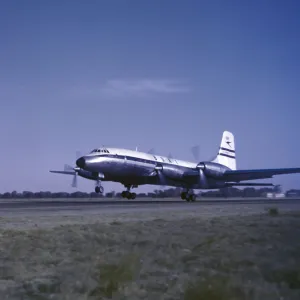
<point x="196" y="152"/>
<point x="203" y="179"/>
<point x="78" y="154"/>
<point x="75" y="170"/>
<point x="161" y="176"/>
<point x="151" y="151"/>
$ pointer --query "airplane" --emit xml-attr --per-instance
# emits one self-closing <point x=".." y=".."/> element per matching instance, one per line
<point x="133" y="168"/>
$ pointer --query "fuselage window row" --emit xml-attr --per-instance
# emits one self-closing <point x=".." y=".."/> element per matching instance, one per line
<point x="136" y="159"/>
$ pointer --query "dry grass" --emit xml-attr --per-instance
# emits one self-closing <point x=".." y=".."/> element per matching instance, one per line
<point x="249" y="257"/>
<point x="273" y="211"/>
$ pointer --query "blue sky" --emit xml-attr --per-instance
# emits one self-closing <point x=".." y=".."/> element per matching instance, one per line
<point x="168" y="75"/>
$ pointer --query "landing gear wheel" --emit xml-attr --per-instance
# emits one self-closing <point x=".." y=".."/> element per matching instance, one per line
<point x="128" y="195"/>
<point x="99" y="189"/>
<point x="192" y="198"/>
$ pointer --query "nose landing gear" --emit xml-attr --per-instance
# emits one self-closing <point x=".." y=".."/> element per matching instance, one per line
<point x="99" y="188"/>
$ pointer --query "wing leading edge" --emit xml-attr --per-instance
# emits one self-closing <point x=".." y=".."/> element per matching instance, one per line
<point x="239" y="175"/>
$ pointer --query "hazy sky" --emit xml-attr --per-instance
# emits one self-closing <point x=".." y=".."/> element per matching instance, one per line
<point x="76" y="75"/>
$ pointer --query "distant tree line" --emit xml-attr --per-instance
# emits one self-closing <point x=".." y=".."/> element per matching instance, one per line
<point x="168" y="193"/>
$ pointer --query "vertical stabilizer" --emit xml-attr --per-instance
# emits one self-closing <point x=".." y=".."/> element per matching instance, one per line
<point x="226" y="154"/>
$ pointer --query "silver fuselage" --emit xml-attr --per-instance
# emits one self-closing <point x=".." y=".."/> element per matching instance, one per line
<point x="136" y="168"/>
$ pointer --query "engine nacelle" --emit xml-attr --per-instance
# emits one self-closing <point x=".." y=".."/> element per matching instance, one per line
<point x="172" y="172"/>
<point x="90" y="175"/>
<point x="211" y="169"/>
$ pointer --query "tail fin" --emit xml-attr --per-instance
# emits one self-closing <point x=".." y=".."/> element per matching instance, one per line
<point x="226" y="154"/>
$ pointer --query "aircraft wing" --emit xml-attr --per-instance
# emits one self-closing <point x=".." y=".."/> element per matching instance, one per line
<point x="239" y="175"/>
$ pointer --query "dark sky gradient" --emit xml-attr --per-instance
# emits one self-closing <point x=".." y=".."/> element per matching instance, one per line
<point x="76" y="75"/>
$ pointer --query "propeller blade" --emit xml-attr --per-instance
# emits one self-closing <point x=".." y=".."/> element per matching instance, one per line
<point x="151" y="151"/>
<point x="68" y="168"/>
<point x="196" y="152"/>
<point x="78" y="154"/>
<point x="162" y="179"/>
<point x="203" y="179"/>
<point x="74" y="182"/>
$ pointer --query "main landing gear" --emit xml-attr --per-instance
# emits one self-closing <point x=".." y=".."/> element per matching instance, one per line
<point x="127" y="194"/>
<point x="188" y="197"/>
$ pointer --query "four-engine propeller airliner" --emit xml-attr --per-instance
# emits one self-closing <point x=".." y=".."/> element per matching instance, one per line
<point x="133" y="168"/>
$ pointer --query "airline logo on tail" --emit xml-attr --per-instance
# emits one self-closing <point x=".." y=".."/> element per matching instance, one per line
<point x="228" y="142"/>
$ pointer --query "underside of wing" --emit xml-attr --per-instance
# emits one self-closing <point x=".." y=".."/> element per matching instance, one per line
<point x="240" y="175"/>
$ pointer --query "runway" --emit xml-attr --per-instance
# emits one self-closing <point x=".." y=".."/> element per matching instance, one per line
<point x="26" y="214"/>
<point x="75" y="204"/>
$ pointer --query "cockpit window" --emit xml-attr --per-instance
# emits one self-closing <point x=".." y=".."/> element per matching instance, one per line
<point x="100" y="150"/>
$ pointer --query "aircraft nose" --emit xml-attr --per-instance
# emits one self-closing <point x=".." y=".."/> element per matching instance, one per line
<point x="80" y="162"/>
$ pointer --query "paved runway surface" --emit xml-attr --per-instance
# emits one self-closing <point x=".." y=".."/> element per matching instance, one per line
<point x="78" y="204"/>
<point x="46" y="213"/>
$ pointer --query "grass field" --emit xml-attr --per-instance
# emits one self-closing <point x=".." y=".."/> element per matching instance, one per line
<point x="248" y="257"/>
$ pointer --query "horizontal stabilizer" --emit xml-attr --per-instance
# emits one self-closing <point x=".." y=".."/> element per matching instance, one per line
<point x="239" y="175"/>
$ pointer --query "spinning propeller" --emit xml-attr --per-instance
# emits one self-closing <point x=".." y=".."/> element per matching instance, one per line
<point x="73" y="170"/>
<point x="196" y="153"/>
